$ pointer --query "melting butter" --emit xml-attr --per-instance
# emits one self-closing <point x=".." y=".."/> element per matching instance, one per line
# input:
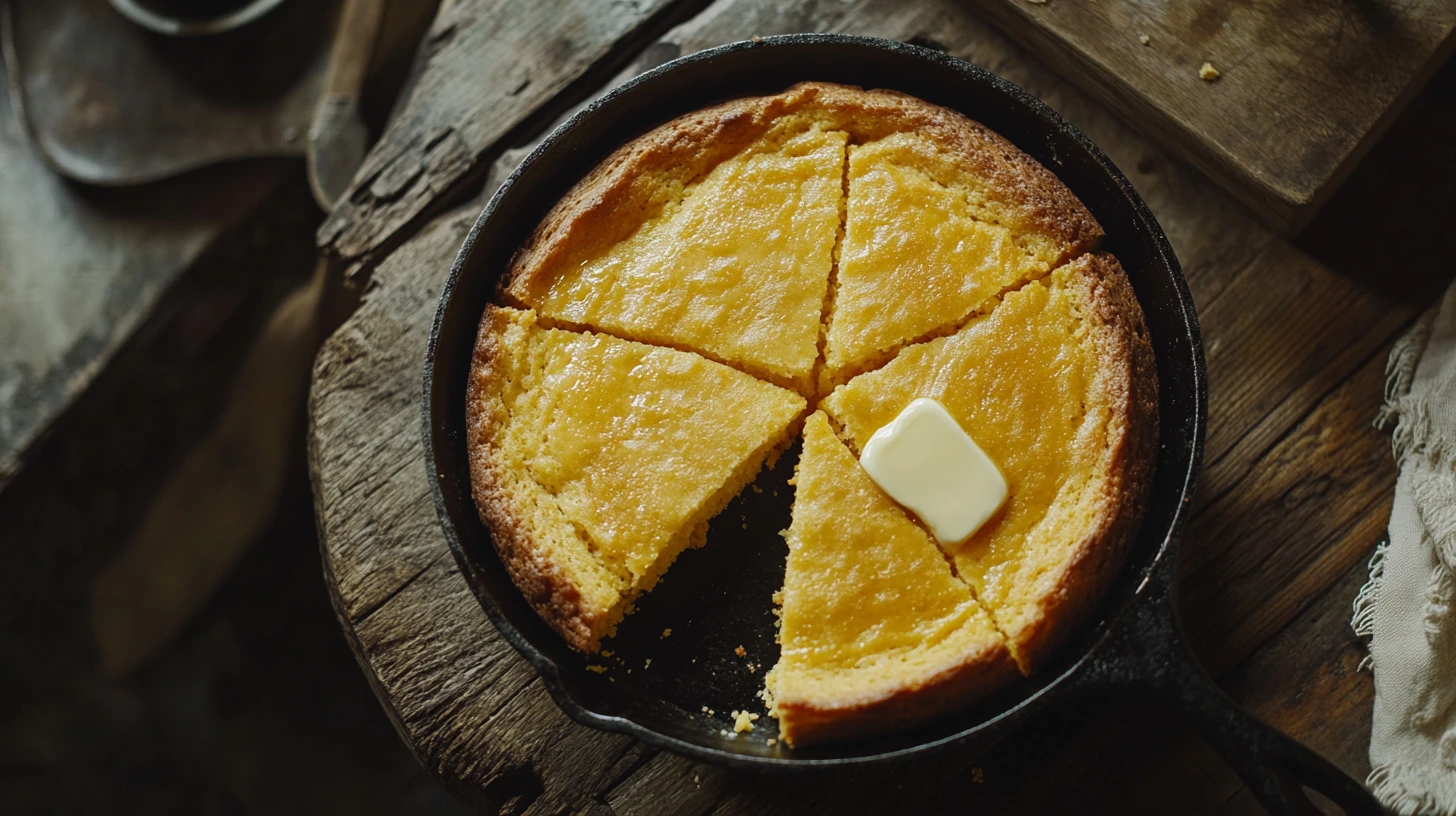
<point x="927" y="463"/>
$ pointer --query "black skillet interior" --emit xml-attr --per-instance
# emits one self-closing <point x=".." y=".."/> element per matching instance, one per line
<point x="677" y="691"/>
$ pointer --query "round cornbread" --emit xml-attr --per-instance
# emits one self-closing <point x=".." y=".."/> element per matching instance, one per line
<point x="828" y="253"/>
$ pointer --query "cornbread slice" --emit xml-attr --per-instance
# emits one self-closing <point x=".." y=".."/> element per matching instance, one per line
<point x="594" y="461"/>
<point x="877" y="633"/>
<point x="1057" y="385"/>
<point x="716" y="232"/>
<point x="747" y="248"/>
<point x="923" y="249"/>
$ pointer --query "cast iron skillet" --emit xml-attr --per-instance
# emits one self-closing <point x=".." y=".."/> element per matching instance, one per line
<point x="718" y="597"/>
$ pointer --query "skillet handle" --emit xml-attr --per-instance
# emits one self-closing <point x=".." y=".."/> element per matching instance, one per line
<point x="1146" y="652"/>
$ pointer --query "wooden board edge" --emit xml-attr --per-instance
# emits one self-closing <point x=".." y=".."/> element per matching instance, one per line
<point x="1283" y="211"/>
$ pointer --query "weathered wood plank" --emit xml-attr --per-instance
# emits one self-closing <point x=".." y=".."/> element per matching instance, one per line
<point x="1306" y="87"/>
<point x="360" y="394"/>
<point x="487" y="66"/>
<point x="1279" y="339"/>
<point x="82" y="271"/>
<point x="1309" y="509"/>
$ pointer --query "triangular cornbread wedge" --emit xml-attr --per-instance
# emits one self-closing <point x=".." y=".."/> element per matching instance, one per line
<point x="877" y="633"/>
<point x="717" y="232"/>
<point x="734" y="264"/>
<point x="927" y="241"/>
<point x="595" y="461"/>
<point x="1057" y="385"/>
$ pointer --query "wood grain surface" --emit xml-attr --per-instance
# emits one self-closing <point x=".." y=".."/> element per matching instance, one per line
<point x="1304" y="87"/>
<point x="82" y="270"/>
<point x="487" y="67"/>
<point x="1293" y="500"/>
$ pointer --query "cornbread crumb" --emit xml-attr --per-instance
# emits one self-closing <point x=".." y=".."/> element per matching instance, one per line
<point x="648" y="664"/>
<point x="1144" y="39"/>
<point x="606" y="654"/>
<point x="977" y="775"/>
<point x="1207" y="72"/>
<point x="743" y="721"/>
<point x="597" y="669"/>
<point x="666" y="632"/>
<point x="772" y="741"/>
<point x="740" y="652"/>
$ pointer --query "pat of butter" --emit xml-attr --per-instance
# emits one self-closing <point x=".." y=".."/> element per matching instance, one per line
<point x="926" y="462"/>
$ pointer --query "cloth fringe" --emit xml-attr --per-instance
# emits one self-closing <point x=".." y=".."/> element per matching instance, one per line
<point x="1411" y="790"/>
<point x="1400" y="368"/>
<point x="1434" y="487"/>
<point x="1412" y="433"/>
<point x="1363" y="619"/>
<point x="1440" y="590"/>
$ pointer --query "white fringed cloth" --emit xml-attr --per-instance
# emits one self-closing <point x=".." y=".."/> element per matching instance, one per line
<point x="1408" y="610"/>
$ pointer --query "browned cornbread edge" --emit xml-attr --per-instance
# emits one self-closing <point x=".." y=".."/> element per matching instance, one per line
<point x="978" y="673"/>
<point x="1129" y="373"/>
<point x="636" y="181"/>
<point x="550" y="587"/>
<point x="552" y="594"/>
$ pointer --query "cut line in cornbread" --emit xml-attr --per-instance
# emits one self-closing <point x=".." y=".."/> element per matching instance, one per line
<point x="595" y="461"/>
<point x="877" y="633"/>
<point x="687" y="273"/>
<point x="1057" y="384"/>
<point x="923" y="249"/>
<point x="715" y="232"/>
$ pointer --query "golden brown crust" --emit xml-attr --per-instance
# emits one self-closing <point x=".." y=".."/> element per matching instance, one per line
<point x="636" y="181"/>
<point x="977" y="675"/>
<point x="550" y="592"/>
<point x="1128" y="379"/>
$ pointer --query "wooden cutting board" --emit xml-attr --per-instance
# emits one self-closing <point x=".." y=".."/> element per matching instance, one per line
<point x="1305" y="87"/>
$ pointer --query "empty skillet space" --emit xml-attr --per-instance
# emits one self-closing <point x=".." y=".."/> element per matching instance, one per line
<point x="713" y="599"/>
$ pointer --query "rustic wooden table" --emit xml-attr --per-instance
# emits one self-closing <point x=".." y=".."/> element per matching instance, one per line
<point x="1294" y="495"/>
